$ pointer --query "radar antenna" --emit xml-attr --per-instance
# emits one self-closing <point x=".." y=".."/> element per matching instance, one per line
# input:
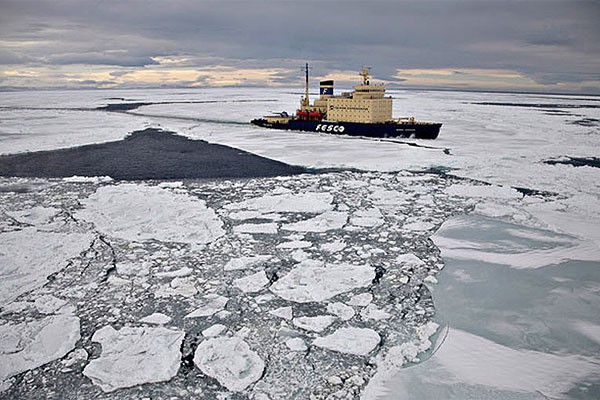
<point x="365" y="74"/>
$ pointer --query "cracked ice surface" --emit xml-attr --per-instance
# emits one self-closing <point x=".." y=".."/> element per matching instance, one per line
<point x="131" y="356"/>
<point x="282" y="294"/>
<point x="118" y="281"/>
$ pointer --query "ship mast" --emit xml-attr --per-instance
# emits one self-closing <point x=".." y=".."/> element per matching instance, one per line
<point x="305" y="101"/>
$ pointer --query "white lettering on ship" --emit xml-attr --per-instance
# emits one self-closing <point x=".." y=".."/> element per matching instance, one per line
<point x="330" y="128"/>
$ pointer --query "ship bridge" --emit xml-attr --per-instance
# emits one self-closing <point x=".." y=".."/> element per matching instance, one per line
<point x="366" y="104"/>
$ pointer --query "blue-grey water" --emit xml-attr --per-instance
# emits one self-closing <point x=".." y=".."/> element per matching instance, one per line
<point x="496" y="316"/>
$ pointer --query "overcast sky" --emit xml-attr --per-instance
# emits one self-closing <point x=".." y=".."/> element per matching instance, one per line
<point x="540" y="45"/>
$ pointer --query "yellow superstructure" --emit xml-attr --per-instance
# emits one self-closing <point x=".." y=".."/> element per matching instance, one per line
<point x="366" y="104"/>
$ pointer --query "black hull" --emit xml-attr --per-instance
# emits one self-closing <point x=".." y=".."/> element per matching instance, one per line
<point x="419" y="130"/>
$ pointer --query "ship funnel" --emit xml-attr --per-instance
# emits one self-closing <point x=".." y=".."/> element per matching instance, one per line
<point x="326" y="89"/>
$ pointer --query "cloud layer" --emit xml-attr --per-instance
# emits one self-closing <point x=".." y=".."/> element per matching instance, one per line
<point x="535" y="45"/>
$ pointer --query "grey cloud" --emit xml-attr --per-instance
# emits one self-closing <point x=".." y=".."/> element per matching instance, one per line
<point x="93" y="58"/>
<point x="8" y="57"/>
<point x="331" y="34"/>
<point x="117" y="74"/>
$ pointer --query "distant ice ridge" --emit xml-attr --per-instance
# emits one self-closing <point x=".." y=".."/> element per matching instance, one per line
<point x="140" y="212"/>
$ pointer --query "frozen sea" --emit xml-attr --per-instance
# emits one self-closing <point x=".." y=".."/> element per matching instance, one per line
<point x="462" y="268"/>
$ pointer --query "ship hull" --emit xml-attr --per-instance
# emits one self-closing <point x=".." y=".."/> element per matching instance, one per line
<point x="418" y="130"/>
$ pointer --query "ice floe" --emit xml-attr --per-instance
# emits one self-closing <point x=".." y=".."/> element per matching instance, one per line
<point x="28" y="345"/>
<point x="156" y="318"/>
<point x="214" y="330"/>
<point x="343" y="311"/>
<point x="178" y="273"/>
<point x="314" y="280"/>
<point x="490" y="191"/>
<point x="373" y="312"/>
<point x="134" y="268"/>
<point x="327" y="221"/>
<point x="283" y="312"/>
<point x="314" y="324"/>
<point x="230" y="361"/>
<point x="140" y="212"/>
<point x="212" y="304"/>
<point x="334" y="247"/>
<point x="34" y="215"/>
<point x="361" y="300"/>
<point x="48" y="304"/>
<point x="268" y="228"/>
<point x="88" y="179"/>
<point x="296" y="344"/>
<point x="28" y="257"/>
<point x="179" y="286"/>
<point x="298" y="203"/>
<point x="252" y="283"/>
<point x="358" y="341"/>
<point x="367" y="218"/>
<point x="133" y="356"/>
<point x="295" y="244"/>
<point x="246" y="262"/>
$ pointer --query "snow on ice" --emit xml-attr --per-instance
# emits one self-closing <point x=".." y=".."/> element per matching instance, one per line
<point x="287" y="203"/>
<point x="28" y="345"/>
<point x="230" y="361"/>
<point x="140" y="212"/>
<point x="314" y="280"/>
<point x="252" y="283"/>
<point x="358" y="341"/>
<point x="29" y="256"/>
<point x="247" y="262"/>
<point x="321" y="223"/>
<point x="133" y="356"/>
